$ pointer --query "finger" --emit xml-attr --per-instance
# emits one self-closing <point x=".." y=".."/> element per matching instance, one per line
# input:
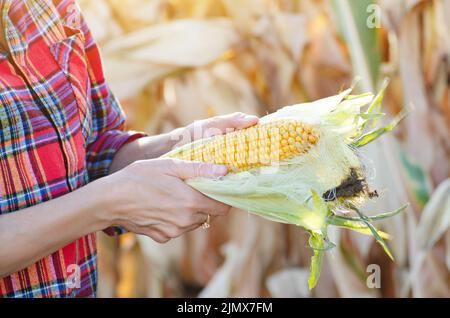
<point x="241" y="121"/>
<point x="188" y="170"/>
<point x="169" y="230"/>
<point x="200" y="217"/>
<point x="194" y="202"/>
<point x="156" y="234"/>
<point x="209" y="206"/>
<point x="227" y="123"/>
<point x="192" y="228"/>
<point x="203" y="218"/>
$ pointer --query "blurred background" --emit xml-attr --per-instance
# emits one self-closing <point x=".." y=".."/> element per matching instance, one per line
<point x="171" y="62"/>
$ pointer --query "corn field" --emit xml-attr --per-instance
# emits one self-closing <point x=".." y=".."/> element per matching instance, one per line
<point x="171" y="62"/>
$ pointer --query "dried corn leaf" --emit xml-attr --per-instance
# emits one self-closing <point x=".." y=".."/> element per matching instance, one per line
<point x="289" y="283"/>
<point x="99" y="16"/>
<point x="205" y="93"/>
<point x="182" y="43"/>
<point x="420" y="138"/>
<point x="435" y="218"/>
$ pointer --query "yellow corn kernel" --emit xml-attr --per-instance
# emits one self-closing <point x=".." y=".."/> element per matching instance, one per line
<point x="262" y="145"/>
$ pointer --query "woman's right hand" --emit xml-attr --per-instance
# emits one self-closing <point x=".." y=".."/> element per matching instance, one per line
<point x="150" y="197"/>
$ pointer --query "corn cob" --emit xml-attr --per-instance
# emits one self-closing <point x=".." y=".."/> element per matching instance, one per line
<point x="257" y="146"/>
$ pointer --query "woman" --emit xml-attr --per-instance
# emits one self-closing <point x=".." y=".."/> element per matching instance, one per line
<point x="68" y="168"/>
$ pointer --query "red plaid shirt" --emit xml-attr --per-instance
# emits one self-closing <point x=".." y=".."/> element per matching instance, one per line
<point x="60" y="128"/>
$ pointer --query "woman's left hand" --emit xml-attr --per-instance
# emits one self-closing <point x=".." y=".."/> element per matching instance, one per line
<point x="155" y="146"/>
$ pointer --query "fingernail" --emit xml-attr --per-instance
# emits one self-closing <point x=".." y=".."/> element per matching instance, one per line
<point x="219" y="170"/>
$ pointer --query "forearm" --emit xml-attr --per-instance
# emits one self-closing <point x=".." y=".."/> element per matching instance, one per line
<point x="33" y="233"/>
<point x="147" y="148"/>
<point x="156" y="146"/>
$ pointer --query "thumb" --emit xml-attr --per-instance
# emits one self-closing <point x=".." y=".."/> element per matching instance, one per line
<point x="188" y="170"/>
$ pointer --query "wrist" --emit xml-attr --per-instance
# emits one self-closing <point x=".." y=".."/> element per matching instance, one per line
<point x="103" y="203"/>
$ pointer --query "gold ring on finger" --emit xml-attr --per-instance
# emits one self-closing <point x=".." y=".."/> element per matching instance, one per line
<point x="206" y="225"/>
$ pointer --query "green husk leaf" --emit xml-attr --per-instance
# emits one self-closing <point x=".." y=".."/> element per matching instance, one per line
<point x="375" y="233"/>
<point x="317" y="243"/>
<point x="362" y="41"/>
<point x="358" y="224"/>
<point x="386" y="215"/>
<point x="377" y="102"/>
<point x="351" y="97"/>
<point x="371" y="116"/>
<point x="375" y="218"/>
<point x="355" y="225"/>
<point x="375" y="134"/>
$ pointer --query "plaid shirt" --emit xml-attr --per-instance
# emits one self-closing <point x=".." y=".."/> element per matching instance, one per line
<point x="60" y="128"/>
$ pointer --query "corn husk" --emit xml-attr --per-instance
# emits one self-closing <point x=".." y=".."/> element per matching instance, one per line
<point x="293" y="191"/>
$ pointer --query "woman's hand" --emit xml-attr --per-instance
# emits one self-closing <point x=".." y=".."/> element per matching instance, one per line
<point x="152" y="198"/>
<point x="156" y="146"/>
<point x="148" y="197"/>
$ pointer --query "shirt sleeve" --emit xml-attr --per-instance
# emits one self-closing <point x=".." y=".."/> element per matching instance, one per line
<point x="100" y="153"/>
<point x="107" y="134"/>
